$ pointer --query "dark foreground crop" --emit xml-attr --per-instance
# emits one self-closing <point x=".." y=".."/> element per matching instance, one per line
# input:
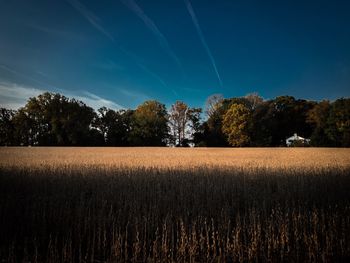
<point x="205" y="215"/>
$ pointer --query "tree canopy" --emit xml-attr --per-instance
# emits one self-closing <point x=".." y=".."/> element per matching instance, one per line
<point x="149" y="124"/>
<point x="236" y="125"/>
<point x="53" y="119"/>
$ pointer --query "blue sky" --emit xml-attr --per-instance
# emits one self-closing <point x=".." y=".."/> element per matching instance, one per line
<point x="120" y="53"/>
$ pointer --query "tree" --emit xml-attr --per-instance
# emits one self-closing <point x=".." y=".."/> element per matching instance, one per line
<point x="35" y="115"/>
<point x="184" y="122"/>
<point x="318" y="118"/>
<point x="338" y="122"/>
<point x="114" y="126"/>
<point x="103" y="121"/>
<point x="212" y="104"/>
<point x="178" y="119"/>
<point x="149" y="124"/>
<point x="254" y="100"/>
<point x="281" y="120"/>
<point x="212" y="134"/>
<point x="23" y="128"/>
<point x="236" y="123"/>
<point x="262" y="125"/>
<point x="195" y="125"/>
<point x="277" y="119"/>
<point x="77" y="123"/>
<point x="53" y="119"/>
<point x="7" y="128"/>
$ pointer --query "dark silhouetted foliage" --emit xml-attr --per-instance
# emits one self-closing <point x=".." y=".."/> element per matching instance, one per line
<point x="55" y="120"/>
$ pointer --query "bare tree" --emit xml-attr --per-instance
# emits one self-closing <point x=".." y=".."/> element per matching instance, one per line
<point x="184" y="122"/>
<point x="179" y="118"/>
<point x="254" y="100"/>
<point x="212" y="104"/>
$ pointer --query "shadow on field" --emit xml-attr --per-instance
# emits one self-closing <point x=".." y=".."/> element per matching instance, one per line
<point x="164" y="215"/>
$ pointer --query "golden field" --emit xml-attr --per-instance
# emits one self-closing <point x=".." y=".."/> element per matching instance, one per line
<point x="174" y="205"/>
<point x="176" y="158"/>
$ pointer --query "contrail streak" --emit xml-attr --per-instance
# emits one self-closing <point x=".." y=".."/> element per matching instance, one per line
<point x="93" y="20"/>
<point x="201" y="36"/>
<point x="89" y="16"/>
<point x="147" y="70"/>
<point x="154" y="29"/>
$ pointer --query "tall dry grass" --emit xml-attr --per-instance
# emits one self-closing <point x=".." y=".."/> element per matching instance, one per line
<point x="174" y="205"/>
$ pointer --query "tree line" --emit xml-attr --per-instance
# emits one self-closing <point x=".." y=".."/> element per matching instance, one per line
<point x="52" y="119"/>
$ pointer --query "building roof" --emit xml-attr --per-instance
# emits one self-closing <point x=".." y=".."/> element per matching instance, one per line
<point x="295" y="137"/>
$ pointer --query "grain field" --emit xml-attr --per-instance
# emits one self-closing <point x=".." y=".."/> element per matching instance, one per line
<point x="174" y="205"/>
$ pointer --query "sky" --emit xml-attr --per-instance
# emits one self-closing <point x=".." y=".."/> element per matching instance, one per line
<point x="119" y="53"/>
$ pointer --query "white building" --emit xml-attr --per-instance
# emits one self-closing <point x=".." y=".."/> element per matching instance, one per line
<point x="296" y="138"/>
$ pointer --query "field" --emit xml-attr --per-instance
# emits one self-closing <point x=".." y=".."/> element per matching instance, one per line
<point x="174" y="205"/>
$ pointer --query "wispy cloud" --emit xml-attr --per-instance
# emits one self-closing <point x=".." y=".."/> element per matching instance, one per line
<point x="90" y="16"/>
<point x="136" y="95"/>
<point x="24" y="76"/>
<point x="14" y="96"/>
<point x="54" y="31"/>
<point x="201" y="36"/>
<point x="43" y="74"/>
<point x="96" y="101"/>
<point x="134" y="7"/>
